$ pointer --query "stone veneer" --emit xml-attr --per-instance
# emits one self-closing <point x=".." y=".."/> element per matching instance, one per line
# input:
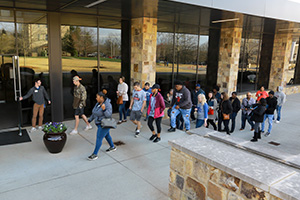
<point x="229" y="53"/>
<point x="281" y="54"/>
<point x="202" y="169"/>
<point x="143" y="49"/>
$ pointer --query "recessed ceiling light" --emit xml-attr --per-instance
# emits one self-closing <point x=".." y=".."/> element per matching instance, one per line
<point x="94" y="3"/>
<point x="225" y="20"/>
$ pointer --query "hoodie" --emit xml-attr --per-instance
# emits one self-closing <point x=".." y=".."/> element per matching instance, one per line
<point x="271" y="105"/>
<point x="182" y="98"/>
<point x="281" y="97"/>
<point x="98" y="113"/>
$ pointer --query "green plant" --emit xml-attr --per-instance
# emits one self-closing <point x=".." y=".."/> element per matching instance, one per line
<point x="54" y="127"/>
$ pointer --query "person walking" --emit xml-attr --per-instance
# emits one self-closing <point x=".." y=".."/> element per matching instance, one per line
<point x="137" y="105"/>
<point x="202" y="111"/>
<point x="216" y="93"/>
<point x="236" y="106"/>
<point x="225" y="111"/>
<point x="247" y="104"/>
<point x="102" y="109"/>
<point x="181" y="104"/>
<point x="212" y="110"/>
<point x="271" y="106"/>
<point x="257" y="116"/>
<point x="195" y="93"/>
<point x="79" y="103"/>
<point x="122" y="93"/>
<point x="148" y="92"/>
<point x="155" y="112"/>
<point x="39" y="94"/>
<point x="261" y="94"/>
<point x="281" y="98"/>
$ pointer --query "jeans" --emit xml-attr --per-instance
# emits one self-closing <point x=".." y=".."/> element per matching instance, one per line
<point x="179" y="119"/>
<point x="256" y="127"/>
<point x="101" y="133"/>
<point x="185" y="115"/>
<point x="157" y="122"/>
<point x="199" y="123"/>
<point x="270" y="119"/>
<point x="232" y="117"/>
<point x="247" y="117"/>
<point x="122" y="110"/>
<point x="278" y="110"/>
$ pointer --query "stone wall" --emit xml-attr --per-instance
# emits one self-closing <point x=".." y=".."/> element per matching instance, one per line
<point x="192" y="179"/>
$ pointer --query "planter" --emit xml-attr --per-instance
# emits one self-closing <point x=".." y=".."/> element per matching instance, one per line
<point x="55" y="142"/>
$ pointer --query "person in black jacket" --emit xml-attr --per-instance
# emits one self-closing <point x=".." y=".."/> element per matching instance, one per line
<point x="236" y="106"/>
<point x="271" y="107"/>
<point x="258" y="111"/>
<point x="181" y="103"/>
<point x="225" y="109"/>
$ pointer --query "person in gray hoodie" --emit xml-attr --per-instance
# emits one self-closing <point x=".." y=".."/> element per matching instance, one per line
<point x="281" y="97"/>
<point x="102" y="109"/>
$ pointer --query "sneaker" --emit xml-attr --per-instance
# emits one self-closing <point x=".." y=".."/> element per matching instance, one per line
<point x="40" y="128"/>
<point x="277" y="122"/>
<point x="157" y="139"/>
<point x="124" y="120"/>
<point x="88" y="127"/>
<point x="171" y="129"/>
<point x="92" y="157"/>
<point x="252" y="129"/>
<point x="137" y="133"/>
<point x="254" y="140"/>
<point x="267" y="134"/>
<point x="33" y="129"/>
<point x="120" y="122"/>
<point x="74" y="132"/>
<point x="152" y="137"/>
<point x="111" y="149"/>
<point x="241" y="129"/>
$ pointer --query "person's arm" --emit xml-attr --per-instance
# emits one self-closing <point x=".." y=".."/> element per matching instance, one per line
<point x="243" y="104"/>
<point x="173" y="99"/>
<point x="107" y="110"/>
<point x="82" y="97"/>
<point x="131" y="104"/>
<point x="125" y="89"/>
<point x="205" y="114"/>
<point x="239" y="104"/>
<point x="29" y="93"/>
<point x="144" y="98"/>
<point x="46" y="95"/>
<point x="92" y="117"/>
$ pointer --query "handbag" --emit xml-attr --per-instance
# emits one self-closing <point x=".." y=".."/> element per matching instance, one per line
<point x="226" y="116"/>
<point x="108" y="123"/>
<point x="210" y="111"/>
<point x="120" y="100"/>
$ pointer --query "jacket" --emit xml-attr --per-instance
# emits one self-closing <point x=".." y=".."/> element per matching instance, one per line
<point x="195" y="96"/>
<point x="236" y="104"/>
<point x="159" y="106"/>
<point x="281" y="97"/>
<point x="247" y="104"/>
<point x="214" y="104"/>
<point x="226" y="107"/>
<point x="38" y="95"/>
<point x="79" y="97"/>
<point x="182" y="98"/>
<point x="258" y="113"/>
<point x="98" y="113"/>
<point x="271" y="105"/>
<point x="123" y="89"/>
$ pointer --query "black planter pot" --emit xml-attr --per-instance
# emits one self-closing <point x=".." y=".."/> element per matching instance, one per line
<point x="55" y="142"/>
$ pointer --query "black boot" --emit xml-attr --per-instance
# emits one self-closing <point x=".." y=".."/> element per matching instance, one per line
<point x="254" y="139"/>
<point x="259" y="135"/>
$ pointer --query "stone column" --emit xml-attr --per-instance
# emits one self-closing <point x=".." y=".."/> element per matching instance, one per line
<point x="281" y="54"/>
<point x="230" y="42"/>
<point x="143" y="44"/>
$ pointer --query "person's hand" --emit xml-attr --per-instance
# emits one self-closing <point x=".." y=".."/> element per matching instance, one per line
<point x="168" y="95"/>
<point x="141" y="111"/>
<point x="129" y="108"/>
<point x="246" y="108"/>
<point x="49" y="102"/>
<point x="196" y="109"/>
<point x="117" y="92"/>
<point x="103" y="106"/>
<point x="177" y="107"/>
<point x="205" y="124"/>
<point x="21" y="98"/>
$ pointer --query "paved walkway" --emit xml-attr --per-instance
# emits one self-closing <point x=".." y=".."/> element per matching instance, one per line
<point x="139" y="169"/>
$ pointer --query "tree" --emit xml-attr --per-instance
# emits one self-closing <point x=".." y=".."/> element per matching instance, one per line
<point x="68" y="42"/>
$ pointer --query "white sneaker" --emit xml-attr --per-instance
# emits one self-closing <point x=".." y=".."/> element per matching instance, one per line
<point x="32" y="129"/>
<point x="277" y="122"/>
<point x="88" y="127"/>
<point x="74" y="132"/>
<point x="40" y="128"/>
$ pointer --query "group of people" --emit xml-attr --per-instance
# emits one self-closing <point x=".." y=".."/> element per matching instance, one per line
<point x="182" y="105"/>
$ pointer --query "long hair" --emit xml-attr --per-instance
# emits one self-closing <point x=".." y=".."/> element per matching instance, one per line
<point x="203" y="99"/>
<point x="225" y="96"/>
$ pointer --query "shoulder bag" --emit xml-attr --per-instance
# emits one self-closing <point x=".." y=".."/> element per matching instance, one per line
<point x="108" y="123"/>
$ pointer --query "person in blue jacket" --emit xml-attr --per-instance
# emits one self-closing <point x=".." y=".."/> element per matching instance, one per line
<point x="102" y="109"/>
<point x="148" y="92"/>
<point x="202" y="111"/>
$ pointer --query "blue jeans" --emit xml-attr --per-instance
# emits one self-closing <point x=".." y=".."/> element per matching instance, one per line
<point x="101" y="133"/>
<point x="199" y="123"/>
<point x="232" y="117"/>
<point x="244" y="118"/>
<point x="185" y="115"/>
<point x="270" y="119"/>
<point x="179" y="119"/>
<point x="278" y="110"/>
<point x="122" y="110"/>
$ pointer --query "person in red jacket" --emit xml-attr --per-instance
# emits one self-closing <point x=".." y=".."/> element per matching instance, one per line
<point x="155" y="112"/>
<point x="261" y="94"/>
